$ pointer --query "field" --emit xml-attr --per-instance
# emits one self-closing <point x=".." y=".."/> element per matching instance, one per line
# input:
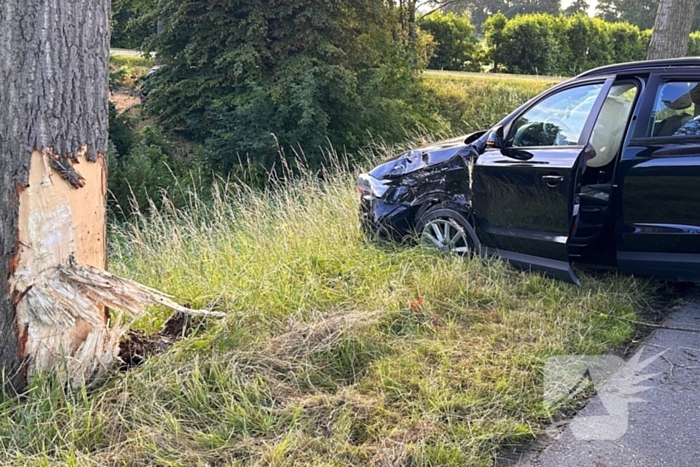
<point x="471" y="102"/>
<point x="334" y="350"/>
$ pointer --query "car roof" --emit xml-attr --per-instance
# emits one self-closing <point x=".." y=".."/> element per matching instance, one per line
<point x="686" y="63"/>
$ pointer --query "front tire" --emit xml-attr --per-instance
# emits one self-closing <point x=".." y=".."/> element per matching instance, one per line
<point x="445" y="230"/>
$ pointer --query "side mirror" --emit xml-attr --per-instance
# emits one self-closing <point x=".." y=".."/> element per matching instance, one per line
<point x="496" y="140"/>
<point x="470" y="138"/>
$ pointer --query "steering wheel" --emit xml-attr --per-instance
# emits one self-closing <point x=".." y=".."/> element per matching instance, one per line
<point x="558" y="123"/>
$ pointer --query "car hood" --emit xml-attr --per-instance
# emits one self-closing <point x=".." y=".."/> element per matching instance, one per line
<point x="418" y="159"/>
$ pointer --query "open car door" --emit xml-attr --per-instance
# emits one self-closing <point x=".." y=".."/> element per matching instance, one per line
<point x="525" y="190"/>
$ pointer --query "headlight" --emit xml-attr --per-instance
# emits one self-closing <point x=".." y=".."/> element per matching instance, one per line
<point x="370" y="186"/>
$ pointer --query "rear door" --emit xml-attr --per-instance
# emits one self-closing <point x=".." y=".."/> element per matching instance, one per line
<point x="658" y="228"/>
<point x="524" y="196"/>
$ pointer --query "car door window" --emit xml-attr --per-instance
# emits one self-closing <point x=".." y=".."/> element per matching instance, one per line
<point x="557" y="120"/>
<point x="676" y="110"/>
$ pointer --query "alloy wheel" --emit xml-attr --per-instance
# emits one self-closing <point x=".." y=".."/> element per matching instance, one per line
<point x="445" y="235"/>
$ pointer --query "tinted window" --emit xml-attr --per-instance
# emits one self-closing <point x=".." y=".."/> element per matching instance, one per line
<point x="557" y="120"/>
<point x="676" y="110"/>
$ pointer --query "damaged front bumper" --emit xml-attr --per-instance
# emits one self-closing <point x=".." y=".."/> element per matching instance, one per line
<point x="387" y="221"/>
<point x="394" y="194"/>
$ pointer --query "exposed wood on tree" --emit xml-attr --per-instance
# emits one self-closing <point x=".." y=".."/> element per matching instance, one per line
<point x="674" y="19"/>
<point x="53" y="140"/>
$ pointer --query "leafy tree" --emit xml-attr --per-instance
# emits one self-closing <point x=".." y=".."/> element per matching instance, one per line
<point x="129" y="29"/>
<point x="641" y="13"/>
<point x="578" y="6"/>
<point x="493" y="29"/>
<point x="520" y="7"/>
<point x="607" y="11"/>
<point x="590" y="43"/>
<point x="456" y="45"/>
<point x="694" y="44"/>
<point x="535" y="44"/>
<point x="479" y="10"/>
<point x="246" y="76"/>
<point x="121" y="130"/>
<point x="629" y="43"/>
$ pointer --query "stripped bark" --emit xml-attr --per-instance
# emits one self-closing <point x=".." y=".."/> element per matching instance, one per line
<point x="53" y="139"/>
<point x="674" y="19"/>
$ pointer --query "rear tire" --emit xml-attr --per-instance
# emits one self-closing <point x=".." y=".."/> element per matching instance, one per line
<point x="445" y="230"/>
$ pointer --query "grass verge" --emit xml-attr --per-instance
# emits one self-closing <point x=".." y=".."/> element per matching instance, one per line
<point x="335" y="351"/>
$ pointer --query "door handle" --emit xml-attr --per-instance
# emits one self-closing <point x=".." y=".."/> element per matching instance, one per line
<point x="553" y="180"/>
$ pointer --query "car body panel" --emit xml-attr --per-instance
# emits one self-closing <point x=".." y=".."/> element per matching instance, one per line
<point x="658" y="219"/>
<point x="525" y="209"/>
<point x="529" y="204"/>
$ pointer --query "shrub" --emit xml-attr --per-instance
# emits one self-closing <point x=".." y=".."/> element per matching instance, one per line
<point x="456" y="45"/>
<point x="590" y="43"/>
<point x="493" y="30"/>
<point x="151" y="170"/>
<point x="694" y="44"/>
<point x="121" y="130"/>
<point x="535" y="44"/>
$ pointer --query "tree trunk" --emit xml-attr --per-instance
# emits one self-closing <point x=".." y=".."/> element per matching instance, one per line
<point x="54" y="62"/>
<point x="53" y="141"/>
<point x="674" y="18"/>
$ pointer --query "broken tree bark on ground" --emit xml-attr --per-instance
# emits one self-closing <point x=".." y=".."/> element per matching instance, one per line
<point x="53" y="140"/>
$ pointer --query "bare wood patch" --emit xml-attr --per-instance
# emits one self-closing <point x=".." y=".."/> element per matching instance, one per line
<point x="62" y="289"/>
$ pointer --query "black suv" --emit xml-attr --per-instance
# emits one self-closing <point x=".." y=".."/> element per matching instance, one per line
<point x="602" y="170"/>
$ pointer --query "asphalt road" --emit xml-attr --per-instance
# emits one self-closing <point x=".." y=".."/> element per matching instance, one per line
<point x="664" y="430"/>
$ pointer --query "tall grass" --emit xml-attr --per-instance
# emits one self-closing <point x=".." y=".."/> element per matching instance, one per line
<point x="470" y="103"/>
<point x="335" y="351"/>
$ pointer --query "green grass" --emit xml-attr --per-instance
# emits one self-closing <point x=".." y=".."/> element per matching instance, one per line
<point x="131" y="60"/>
<point x="335" y="351"/>
<point x="475" y="102"/>
<point x="125" y="70"/>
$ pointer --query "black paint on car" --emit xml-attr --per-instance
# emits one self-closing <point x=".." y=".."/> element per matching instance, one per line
<point x="601" y="171"/>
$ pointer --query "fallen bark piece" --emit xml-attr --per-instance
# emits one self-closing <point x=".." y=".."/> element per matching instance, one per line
<point x="62" y="296"/>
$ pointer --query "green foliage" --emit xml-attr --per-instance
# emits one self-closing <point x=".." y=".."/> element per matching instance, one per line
<point x="476" y="103"/>
<point x="457" y="47"/>
<point x="128" y="26"/>
<point x="629" y="43"/>
<point x="535" y="44"/>
<point x="482" y="10"/>
<point x="125" y="70"/>
<point x="555" y="45"/>
<point x="694" y="44"/>
<point x="121" y="130"/>
<point x="149" y="170"/>
<point x="590" y="43"/>
<point x="577" y="7"/>
<point x="641" y="13"/>
<point x="493" y="30"/>
<point x="246" y="77"/>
